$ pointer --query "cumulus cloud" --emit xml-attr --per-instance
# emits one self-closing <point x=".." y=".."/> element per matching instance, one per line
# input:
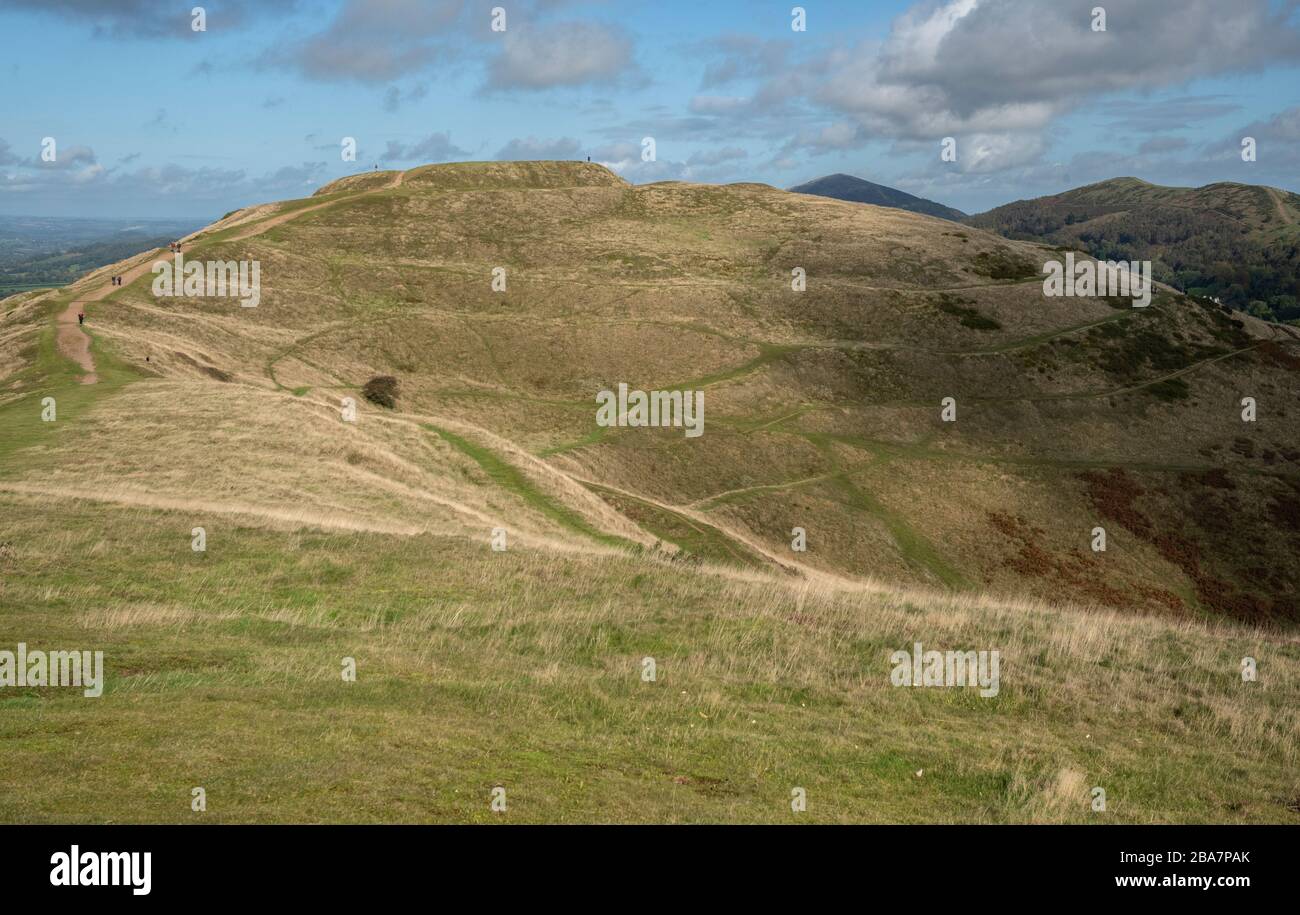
<point x="561" y="54"/>
<point x="987" y="152"/>
<point x="978" y="56"/>
<point x="381" y="41"/>
<point x="1169" y="160"/>
<point x="997" y="74"/>
<point x="372" y="41"/>
<point x="68" y="159"/>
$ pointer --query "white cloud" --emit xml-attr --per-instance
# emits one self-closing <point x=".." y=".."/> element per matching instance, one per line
<point x="998" y="74"/>
<point x="562" y="54"/>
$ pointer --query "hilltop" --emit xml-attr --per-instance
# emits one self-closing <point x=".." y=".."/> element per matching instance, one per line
<point x="1238" y="243"/>
<point x="373" y="540"/>
<point x="858" y="190"/>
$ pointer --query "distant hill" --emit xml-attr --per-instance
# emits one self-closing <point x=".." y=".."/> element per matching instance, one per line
<point x="1239" y="243"/>
<point x="856" y="190"/>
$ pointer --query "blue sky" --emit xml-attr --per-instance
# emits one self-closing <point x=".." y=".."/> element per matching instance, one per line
<point x="151" y="118"/>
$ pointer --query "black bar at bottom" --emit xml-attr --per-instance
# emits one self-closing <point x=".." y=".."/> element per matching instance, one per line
<point x="366" y="863"/>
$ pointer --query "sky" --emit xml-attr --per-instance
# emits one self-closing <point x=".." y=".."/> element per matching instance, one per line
<point x="150" y="117"/>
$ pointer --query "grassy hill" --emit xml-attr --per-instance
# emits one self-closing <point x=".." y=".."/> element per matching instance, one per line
<point x="370" y="540"/>
<point x="857" y="190"/>
<point x="1239" y="243"/>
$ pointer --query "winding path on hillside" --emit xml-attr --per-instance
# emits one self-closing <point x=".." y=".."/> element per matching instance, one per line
<point x="74" y="342"/>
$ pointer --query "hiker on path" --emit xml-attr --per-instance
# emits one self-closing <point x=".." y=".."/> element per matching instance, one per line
<point x="81" y="317"/>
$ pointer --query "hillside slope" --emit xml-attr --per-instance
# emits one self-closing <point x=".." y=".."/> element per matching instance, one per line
<point x="1239" y="243"/>
<point x="370" y="541"/>
<point x="858" y="190"/>
<point x="823" y="407"/>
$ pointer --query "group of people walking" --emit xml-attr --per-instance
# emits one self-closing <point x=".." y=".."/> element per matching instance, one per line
<point x="174" y="247"/>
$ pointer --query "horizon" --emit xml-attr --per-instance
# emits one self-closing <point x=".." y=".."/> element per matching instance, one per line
<point x="266" y="93"/>
<point x="212" y="218"/>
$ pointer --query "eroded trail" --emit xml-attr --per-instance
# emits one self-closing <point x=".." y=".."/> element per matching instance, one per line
<point x="74" y="342"/>
<point x="1283" y="211"/>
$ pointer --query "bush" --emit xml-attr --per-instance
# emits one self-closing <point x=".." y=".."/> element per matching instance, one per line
<point x="1001" y="265"/>
<point x="382" y="389"/>
<point x="970" y="317"/>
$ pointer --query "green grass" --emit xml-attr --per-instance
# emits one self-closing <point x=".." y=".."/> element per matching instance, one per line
<point x="697" y="539"/>
<point x="53" y="375"/>
<point x="510" y="478"/>
<point x="522" y="669"/>
<point x="915" y="548"/>
<point x="768" y="354"/>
